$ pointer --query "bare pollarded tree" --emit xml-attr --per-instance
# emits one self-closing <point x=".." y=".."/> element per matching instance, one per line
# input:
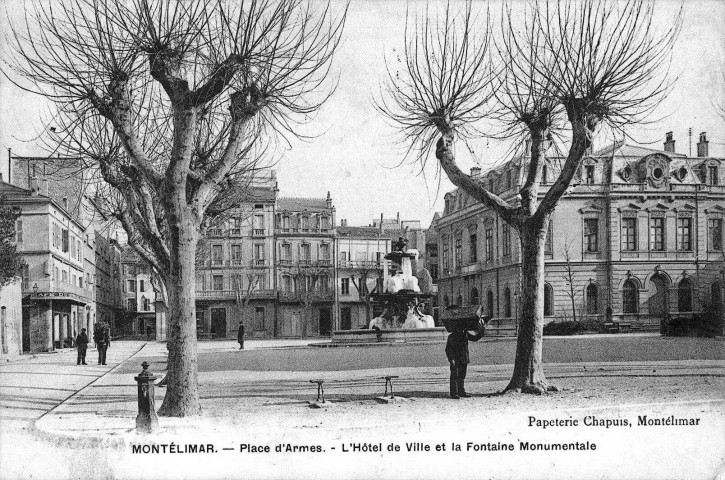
<point x="171" y="103"/>
<point x="559" y="69"/>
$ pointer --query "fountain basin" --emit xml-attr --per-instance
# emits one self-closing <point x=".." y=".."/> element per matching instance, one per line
<point x="397" y="335"/>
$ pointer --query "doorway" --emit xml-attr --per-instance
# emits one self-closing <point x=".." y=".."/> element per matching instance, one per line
<point x="345" y="318"/>
<point x="325" y="321"/>
<point x="219" y="322"/>
<point x="658" y="300"/>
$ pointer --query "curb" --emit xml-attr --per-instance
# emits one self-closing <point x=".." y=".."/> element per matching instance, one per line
<point x="62" y="438"/>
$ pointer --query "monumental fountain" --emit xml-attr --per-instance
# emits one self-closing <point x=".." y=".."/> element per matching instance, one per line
<point x="401" y="301"/>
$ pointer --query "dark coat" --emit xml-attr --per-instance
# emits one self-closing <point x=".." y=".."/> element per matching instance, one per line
<point x="102" y="336"/>
<point x="240" y="333"/>
<point x="457" y="345"/>
<point x="82" y="341"/>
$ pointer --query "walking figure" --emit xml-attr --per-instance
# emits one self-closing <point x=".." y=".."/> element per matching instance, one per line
<point x="240" y="335"/>
<point x="102" y="337"/>
<point x="82" y="343"/>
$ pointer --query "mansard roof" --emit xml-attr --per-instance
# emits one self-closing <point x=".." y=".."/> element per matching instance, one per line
<point x="293" y="204"/>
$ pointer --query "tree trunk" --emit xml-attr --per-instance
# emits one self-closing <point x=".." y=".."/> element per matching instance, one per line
<point x="528" y="376"/>
<point x="182" y="395"/>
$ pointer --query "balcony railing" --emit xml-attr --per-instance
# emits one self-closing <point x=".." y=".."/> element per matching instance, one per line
<point x="235" y="232"/>
<point x="237" y="262"/>
<point x="215" y="232"/>
<point x="258" y="262"/>
<point x="232" y="294"/>
<point x="362" y="264"/>
<point x="217" y="262"/>
<point x="258" y="232"/>
<point x="305" y="262"/>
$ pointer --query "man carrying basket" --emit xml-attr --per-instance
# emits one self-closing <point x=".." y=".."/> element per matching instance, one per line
<point x="459" y="321"/>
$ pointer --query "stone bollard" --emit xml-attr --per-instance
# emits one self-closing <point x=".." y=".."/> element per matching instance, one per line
<point x="146" y="420"/>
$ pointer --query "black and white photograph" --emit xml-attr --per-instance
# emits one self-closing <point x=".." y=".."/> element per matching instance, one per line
<point x="355" y="239"/>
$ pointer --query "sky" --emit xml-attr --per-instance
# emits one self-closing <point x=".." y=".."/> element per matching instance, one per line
<point x="358" y="157"/>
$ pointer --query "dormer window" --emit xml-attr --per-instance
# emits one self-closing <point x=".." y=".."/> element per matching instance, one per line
<point x="712" y="177"/>
<point x="544" y="176"/>
<point x="589" y="174"/>
<point x="682" y="173"/>
<point x="627" y="173"/>
<point x="657" y="173"/>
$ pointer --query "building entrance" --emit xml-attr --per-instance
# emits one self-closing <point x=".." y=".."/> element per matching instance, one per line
<point x="219" y="322"/>
<point x="657" y="302"/>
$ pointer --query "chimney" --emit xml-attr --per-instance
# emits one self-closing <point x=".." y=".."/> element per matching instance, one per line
<point x="34" y="186"/>
<point x="475" y="172"/>
<point x="343" y="222"/>
<point x="669" y="143"/>
<point x="328" y="200"/>
<point x="702" y="150"/>
<point x="65" y="203"/>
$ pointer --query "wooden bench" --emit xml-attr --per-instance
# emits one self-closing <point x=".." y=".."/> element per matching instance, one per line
<point x="625" y="327"/>
<point x="389" y="381"/>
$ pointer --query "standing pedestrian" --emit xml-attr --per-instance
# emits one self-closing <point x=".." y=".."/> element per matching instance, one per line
<point x="240" y="335"/>
<point x="82" y="344"/>
<point x="458" y="357"/>
<point x="102" y="337"/>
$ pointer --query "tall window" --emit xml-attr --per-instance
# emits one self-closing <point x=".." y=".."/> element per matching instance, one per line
<point x="684" y="296"/>
<point x="345" y="286"/>
<point x="712" y="175"/>
<point x="216" y="255"/>
<point x="141" y="286"/>
<point x="489" y="244"/>
<point x="549" y="244"/>
<point x="131" y="305"/>
<point x="589" y="174"/>
<point x="714" y="234"/>
<point x="629" y="234"/>
<point x="446" y="254"/>
<point x="474" y="296"/>
<point x="259" y="318"/>
<point x="473" y="248"/>
<point x="684" y="234"/>
<point x="259" y="252"/>
<point x="258" y="225"/>
<point x="286" y="283"/>
<point x="459" y="246"/>
<point x="657" y="233"/>
<point x="325" y="252"/>
<point x="285" y="223"/>
<point x="236" y="254"/>
<point x="630" y="297"/>
<point x="236" y="226"/>
<point x="131" y="285"/>
<point x="217" y="282"/>
<point x="489" y="303"/>
<point x="507" y="302"/>
<point x="305" y="224"/>
<point x="592" y="300"/>
<point x="591" y="234"/>
<point x="506" y="239"/>
<point x="548" y="300"/>
<point x="286" y="253"/>
<point x="19" y="231"/>
<point x="305" y="252"/>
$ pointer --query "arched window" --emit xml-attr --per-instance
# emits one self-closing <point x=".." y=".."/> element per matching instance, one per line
<point x="459" y="300"/>
<point x="474" y="296"/>
<point x="684" y="296"/>
<point x="630" y="302"/>
<point x="446" y="301"/>
<point x="489" y="303"/>
<point x="548" y="300"/>
<point x="507" y="302"/>
<point x="592" y="300"/>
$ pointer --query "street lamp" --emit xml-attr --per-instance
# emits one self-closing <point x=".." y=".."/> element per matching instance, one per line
<point x="35" y="289"/>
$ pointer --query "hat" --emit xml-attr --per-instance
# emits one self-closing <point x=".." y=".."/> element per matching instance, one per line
<point x="83" y="329"/>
